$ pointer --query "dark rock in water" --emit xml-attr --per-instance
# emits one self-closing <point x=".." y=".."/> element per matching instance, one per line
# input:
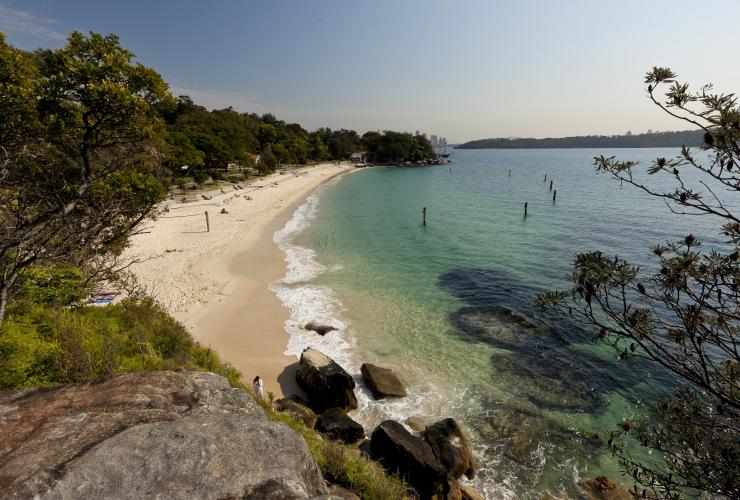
<point x="501" y="327"/>
<point x="520" y="434"/>
<point x="297" y="411"/>
<point x="338" y="426"/>
<point x="325" y="382"/>
<point x="451" y="448"/>
<point x="319" y="328"/>
<point x="176" y="435"/>
<point x="603" y="488"/>
<point x="410" y="457"/>
<point x="555" y="379"/>
<point x="382" y="381"/>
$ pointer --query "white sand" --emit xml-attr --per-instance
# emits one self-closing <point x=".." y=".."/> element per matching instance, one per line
<point x="216" y="282"/>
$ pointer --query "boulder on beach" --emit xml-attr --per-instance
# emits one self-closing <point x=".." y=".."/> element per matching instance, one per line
<point x="176" y="435"/>
<point x="338" y="426"/>
<point x="297" y="410"/>
<point x="451" y="448"/>
<point x="320" y="328"/>
<point x="402" y="453"/>
<point x="325" y="383"/>
<point x="382" y="381"/>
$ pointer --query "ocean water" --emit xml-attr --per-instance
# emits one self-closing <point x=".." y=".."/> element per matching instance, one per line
<point x="450" y="306"/>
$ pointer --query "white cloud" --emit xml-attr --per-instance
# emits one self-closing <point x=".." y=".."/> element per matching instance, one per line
<point x="21" y="22"/>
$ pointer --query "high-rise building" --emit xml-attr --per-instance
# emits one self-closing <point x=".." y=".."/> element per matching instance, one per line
<point x="433" y="140"/>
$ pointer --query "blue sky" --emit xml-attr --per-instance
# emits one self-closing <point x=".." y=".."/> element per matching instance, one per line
<point x="464" y="69"/>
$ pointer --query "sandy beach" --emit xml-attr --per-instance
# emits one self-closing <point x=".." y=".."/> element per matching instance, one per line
<point x="216" y="282"/>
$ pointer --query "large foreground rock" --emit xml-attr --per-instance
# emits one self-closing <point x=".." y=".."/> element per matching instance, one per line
<point x="382" y="381"/>
<point x="338" y="426"/>
<point x="325" y="382"/>
<point x="142" y="435"/>
<point x="411" y="458"/>
<point x="451" y="448"/>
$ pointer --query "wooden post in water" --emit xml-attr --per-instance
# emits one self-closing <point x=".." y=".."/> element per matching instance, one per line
<point x="545" y="178"/>
<point x="554" y="194"/>
<point x="525" y="208"/>
<point x="424" y="216"/>
<point x="208" y="224"/>
<point x="509" y="172"/>
<point x="550" y="185"/>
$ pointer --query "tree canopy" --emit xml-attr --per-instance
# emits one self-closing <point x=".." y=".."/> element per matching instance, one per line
<point x="77" y="172"/>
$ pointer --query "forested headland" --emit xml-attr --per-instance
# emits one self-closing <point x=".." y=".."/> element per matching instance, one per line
<point x="647" y="140"/>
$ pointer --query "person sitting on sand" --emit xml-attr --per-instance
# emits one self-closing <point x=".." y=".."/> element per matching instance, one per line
<point x="259" y="387"/>
<point x="224" y="211"/>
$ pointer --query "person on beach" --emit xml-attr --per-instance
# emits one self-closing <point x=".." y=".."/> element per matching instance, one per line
<point x="259" y="387"/>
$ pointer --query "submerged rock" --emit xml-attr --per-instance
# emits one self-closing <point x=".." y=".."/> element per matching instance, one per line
<point x="320" y="328"/>
<point x="382" y="381"/>
<point x="338" y="426"/>
<point x="451" y="448"/>
<point x="555" y="378"/>
<point x="297" y="410"/>
<point x="410" y="457"/>
<point x="603" y="488"/>
<point x="176" y="435"/>
<point x="326" y="383"/>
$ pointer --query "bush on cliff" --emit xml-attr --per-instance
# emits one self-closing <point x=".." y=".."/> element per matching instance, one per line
<point x="43" y="345"/>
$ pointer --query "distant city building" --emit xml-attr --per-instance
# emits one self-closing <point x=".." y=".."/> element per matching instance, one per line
<point x="433" y="140"/>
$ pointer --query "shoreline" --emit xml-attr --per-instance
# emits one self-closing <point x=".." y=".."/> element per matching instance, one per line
<point x="217" y="283"/>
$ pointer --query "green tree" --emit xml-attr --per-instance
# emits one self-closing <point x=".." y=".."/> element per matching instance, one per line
<point x="80" y="175"/>
<point x="684" y="317"/>
<point x="267" y="162"/>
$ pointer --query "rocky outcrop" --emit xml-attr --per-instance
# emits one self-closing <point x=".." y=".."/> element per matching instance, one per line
<point x="297" y="410"/>
<point x="451" y="448"/>
<point x="325" y="383"/>
<point x="142" y="435"/>
<point x="603" y="488"/>
<point x="319" y="328"/>
<point x="382" y="382"/>
<point x="470" y="493"/>
<point x="411" y="458"/>
<point x="338" y="426"/>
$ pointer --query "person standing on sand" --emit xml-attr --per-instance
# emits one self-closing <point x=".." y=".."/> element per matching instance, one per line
<point x="259" y="387"/>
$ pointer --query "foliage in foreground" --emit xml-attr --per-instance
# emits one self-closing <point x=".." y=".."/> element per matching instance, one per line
<point x="686" y="316"/>
<point x="45" y="346"/>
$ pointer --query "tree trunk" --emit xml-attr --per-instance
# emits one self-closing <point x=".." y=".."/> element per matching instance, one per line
<point x="3" y="303"/>
<point x="6" y="284"/>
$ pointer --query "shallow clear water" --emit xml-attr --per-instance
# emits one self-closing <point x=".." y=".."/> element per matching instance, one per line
<point x="450" y="306"/>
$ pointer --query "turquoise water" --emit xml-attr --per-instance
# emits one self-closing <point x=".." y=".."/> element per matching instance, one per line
<point x="449" y="306"/>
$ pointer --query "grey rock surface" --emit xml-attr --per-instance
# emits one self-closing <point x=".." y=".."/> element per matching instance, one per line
<point x="142" y="435"/>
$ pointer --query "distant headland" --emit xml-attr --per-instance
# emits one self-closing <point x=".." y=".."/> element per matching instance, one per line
<point x="628" y="140"/>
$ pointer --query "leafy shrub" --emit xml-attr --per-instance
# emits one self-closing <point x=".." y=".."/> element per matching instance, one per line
<point x="52" y="285"/>
<point x="42" y="346"/>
